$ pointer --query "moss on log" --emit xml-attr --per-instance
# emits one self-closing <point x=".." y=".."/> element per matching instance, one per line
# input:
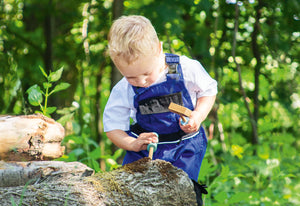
<point x="143" y="182"/>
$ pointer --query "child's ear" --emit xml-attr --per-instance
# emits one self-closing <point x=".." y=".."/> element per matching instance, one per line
<point x="160" y="47"/>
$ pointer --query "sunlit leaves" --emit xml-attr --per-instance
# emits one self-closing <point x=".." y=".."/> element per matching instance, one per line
<point x="43" y="72"/>
<point x="264" y="151"/>
<point x="60" y="86"/>
<point x="50" y="110"/>
<point x="239" y="197"/>
<point x="279" y="115"/>
<point x="55" y="76"/>
<point x="35" y="95"/>
<point x="237" y="150"/>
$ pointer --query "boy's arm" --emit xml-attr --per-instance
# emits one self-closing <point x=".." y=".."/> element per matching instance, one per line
<point x="122" y="140"/>
<point x="203" y="106"/>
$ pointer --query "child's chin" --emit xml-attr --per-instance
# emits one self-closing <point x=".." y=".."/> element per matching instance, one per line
<point x="143" y="86"/>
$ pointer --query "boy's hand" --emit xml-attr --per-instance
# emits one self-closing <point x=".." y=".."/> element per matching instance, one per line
<point x="142" y="141"/>
<point x="193" y="123"/>
<point x="201" y="110"/>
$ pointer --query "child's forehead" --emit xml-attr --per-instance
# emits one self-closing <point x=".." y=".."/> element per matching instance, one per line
<point x="140" y="61"/>
<point x="144" y="63"/>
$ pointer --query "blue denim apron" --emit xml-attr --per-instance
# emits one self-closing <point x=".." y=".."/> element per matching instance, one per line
<point x="185" y="151"/>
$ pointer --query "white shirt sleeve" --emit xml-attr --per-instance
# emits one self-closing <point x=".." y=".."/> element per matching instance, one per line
<point x="197" y="81"/>
<point x="119" y="107"/>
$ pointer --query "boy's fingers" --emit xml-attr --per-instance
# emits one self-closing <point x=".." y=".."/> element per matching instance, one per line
<point x="152" y="136"/>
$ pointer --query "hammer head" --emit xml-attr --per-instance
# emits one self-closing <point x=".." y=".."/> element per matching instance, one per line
<point x="178" y="109"/>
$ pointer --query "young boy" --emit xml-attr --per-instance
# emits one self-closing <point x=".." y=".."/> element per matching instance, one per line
<point x="151" y="81"/>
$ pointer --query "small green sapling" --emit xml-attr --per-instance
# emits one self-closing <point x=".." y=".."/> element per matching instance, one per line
<point x="39" y="97"/>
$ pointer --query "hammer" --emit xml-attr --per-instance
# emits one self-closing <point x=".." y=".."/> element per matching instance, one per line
<point x="182" y="111"/>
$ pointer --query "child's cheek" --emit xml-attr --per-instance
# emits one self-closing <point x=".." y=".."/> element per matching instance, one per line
<point x="152" y="79"/>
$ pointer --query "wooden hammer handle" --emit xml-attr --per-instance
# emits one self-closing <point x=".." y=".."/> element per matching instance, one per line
<point x="151" y="150"/>
<point x="183" y="118"/>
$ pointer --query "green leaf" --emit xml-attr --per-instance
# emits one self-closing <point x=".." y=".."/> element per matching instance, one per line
<point x="111" y="161"/>
<point x="71" y="157"/>
<point x="50" y="110"/>
<point x="13" y="203"/>
<point x="55" y="76"/>
<point x="225" y="171"/>
<point x="118" y="153"/>
<point x="92" y="142"/>
<point x="221" y="197"/>
<point x="96" y="153"/>
<point x="35" y="96"/>
<point x="64" y="119"/>
<point x="47" y="85"/>
<point x="238" y="197"/>
<point x="59" y="87"/>
<point x="207" y="168"/>
<point x="43" y="71"/>
<point x="95" y="165"/>
<point x="78" y="151"/>
<point x="73" y="139"/>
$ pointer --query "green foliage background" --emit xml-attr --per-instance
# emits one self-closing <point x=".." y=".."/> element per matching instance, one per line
<point x="263" y="41"/>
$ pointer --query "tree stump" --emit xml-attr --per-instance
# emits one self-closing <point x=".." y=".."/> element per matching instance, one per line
<point x="30" y="137"/>
<point x="143" y="182"/>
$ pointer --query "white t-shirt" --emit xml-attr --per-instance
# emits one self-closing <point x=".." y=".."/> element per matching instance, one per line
<point x="119" y="108"/>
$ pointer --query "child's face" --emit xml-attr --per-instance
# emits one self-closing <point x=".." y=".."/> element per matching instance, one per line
<point x="144" y="71"/>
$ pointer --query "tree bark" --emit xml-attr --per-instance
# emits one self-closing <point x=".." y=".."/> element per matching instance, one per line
<point x="31" y="137"/>
<point x="116" y="76"/>
<point x="143" y="182"/>
<point x="257" y="56"/>
<point x="48" y="30"/>
<point x="117" y="9"/>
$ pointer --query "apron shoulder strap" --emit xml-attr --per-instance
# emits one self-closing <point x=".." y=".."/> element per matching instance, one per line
<point x="173" y="62"/>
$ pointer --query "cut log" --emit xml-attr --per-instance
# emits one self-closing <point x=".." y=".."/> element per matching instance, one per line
<point x="30" y="137"/>
<point x="143" y="182"/>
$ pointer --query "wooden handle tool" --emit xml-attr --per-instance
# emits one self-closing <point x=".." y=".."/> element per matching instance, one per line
<point x="182" y="111"/>
<point x="152" y="147"/>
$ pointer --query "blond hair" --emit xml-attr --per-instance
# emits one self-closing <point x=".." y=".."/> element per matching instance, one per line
<point x="131" y="37"/>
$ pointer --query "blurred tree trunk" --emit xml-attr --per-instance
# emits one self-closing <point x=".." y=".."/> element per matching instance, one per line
<point x="116" y="76"/>
<point x="117" y="10"/>
<point x="48" y="30"/>
<point x="257" y="56"/>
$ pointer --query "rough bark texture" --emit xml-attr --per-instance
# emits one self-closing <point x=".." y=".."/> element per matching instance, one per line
<point x="31" y="137"/>
<point x="143" y="182"/>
